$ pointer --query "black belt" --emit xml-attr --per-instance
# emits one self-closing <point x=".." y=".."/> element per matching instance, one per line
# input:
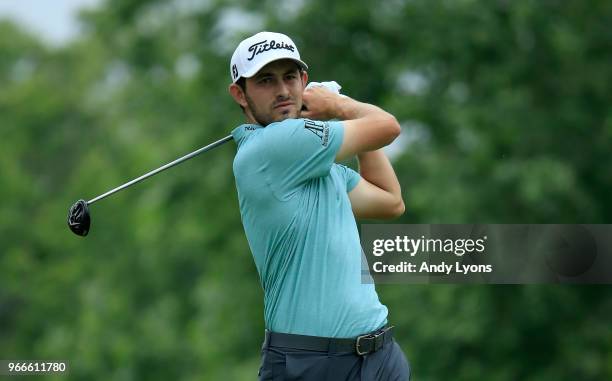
<point x="361" y="345"/>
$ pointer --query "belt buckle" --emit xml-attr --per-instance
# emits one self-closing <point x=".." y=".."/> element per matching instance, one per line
<point x="359" y="353"/>
<point x="374" y="336"/>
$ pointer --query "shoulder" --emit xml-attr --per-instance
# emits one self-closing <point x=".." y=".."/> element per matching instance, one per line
<point x="280" y="135"/>
<point x="303" y="130"/>
<point x="249" y="141"/>
<point x="284" y="127"/>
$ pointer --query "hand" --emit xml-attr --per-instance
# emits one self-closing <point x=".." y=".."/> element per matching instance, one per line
<point x="320" y="104"/>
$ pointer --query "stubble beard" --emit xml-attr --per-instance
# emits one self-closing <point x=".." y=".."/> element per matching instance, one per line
<point x="264" y="119"/>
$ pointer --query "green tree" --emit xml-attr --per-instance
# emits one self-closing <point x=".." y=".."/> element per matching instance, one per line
<point x="504" y="108"/>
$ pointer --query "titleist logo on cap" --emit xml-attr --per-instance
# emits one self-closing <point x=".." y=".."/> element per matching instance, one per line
<point x="263" y="46"/>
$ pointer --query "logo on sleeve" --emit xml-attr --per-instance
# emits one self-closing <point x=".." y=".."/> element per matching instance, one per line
<point x="320" y="129"/>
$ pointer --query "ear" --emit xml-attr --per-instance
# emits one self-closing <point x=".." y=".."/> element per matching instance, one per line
<point x="238" y="94"/>
<point x="304" y="79"/>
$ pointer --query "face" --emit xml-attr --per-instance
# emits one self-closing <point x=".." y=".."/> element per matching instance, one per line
<point x="273" y="94"/>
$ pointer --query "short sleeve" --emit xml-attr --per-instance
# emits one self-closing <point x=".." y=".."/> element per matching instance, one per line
<point x="298" y="150"/>
<point x="350" y="176"/>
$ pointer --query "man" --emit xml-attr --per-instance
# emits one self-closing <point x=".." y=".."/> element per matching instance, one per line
<point x="298" y="209"/>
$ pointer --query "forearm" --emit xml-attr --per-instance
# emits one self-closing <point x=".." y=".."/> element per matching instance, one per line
<point x="349" y="108"/>
<point x="375" y="167"/>
<point x="367" y="128"/>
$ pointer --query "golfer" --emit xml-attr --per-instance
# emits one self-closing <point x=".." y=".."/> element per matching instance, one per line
<point x="298" y="208"/>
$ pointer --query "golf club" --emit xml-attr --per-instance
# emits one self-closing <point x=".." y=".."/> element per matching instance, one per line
<point x="79" y="219"/>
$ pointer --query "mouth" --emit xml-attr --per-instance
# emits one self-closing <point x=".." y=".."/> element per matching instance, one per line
<point x="283" y="105"/>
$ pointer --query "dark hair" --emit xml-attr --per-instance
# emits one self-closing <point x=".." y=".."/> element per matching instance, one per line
<point x="241" y="82"/>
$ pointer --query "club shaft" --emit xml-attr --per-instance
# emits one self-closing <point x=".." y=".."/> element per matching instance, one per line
<point x="162" y="168"/>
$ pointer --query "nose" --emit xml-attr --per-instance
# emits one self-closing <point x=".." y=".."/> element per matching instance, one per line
<point x="282" y="90"/>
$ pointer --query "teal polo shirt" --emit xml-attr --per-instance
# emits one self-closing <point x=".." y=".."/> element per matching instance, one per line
<point x="301" y="230"/>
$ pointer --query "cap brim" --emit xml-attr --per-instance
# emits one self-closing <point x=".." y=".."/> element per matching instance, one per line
<point x="257" y="68"/>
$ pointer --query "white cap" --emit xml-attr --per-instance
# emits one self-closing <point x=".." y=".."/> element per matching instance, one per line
<point x="259" y="50"/>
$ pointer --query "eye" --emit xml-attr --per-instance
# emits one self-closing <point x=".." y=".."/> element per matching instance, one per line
<point x="265" y="80"/>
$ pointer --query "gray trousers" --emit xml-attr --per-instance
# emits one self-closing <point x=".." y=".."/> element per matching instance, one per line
<point x="388" y="363"/>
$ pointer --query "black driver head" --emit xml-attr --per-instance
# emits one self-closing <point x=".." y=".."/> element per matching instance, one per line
<point x="78" y="218"/>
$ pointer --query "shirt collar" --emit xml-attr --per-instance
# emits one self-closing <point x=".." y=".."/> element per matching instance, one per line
<point x="244" y="130"/>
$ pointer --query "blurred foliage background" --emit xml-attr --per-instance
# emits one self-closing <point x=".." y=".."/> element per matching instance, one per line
<point x="505" y="109"/>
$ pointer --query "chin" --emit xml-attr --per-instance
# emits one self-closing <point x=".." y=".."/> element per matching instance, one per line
<point x="289" y="115"/>
<point x="293" y="114"/>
